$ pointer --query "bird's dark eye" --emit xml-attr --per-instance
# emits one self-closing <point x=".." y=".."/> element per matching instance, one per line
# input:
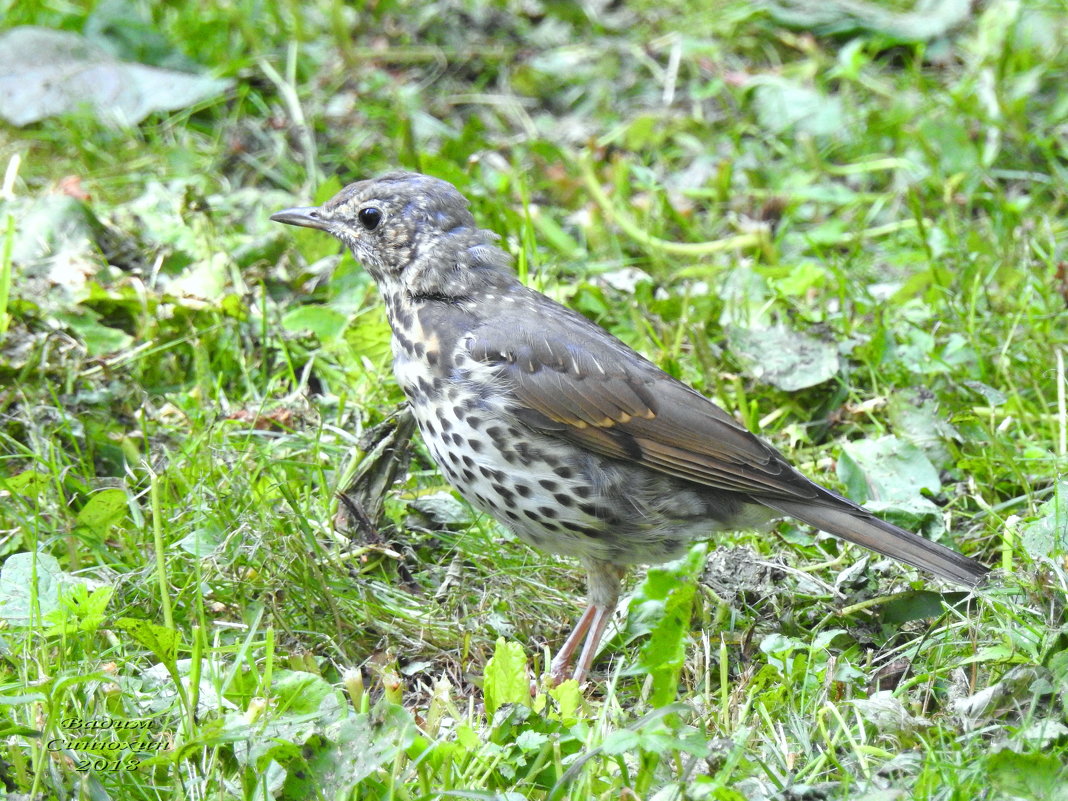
<point x="369" y="218"/>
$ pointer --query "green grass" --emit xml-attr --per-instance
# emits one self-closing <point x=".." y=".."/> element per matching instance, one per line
<point x="183" y="395"/>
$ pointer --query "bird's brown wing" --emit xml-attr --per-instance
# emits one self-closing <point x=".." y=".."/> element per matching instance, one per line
<point x="576" y="381"/>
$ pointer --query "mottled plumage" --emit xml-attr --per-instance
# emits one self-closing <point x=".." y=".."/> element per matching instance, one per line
<point x="549" y="423"/>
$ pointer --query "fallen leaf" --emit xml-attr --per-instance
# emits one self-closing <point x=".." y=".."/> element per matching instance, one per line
<point x="45" y="73"/>
<point x="783" y="357"/>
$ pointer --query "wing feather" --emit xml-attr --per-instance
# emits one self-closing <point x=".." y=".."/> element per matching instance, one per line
<point x="578" y="382"/>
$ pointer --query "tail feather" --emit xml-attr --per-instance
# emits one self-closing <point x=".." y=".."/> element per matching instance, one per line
<point x="858" y="526"/>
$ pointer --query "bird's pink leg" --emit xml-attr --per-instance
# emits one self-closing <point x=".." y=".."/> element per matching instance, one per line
<point x="562" y="661"/>
<point x="603" y="579"/>
<point x="601" y="616"/>
<point x="590" y="626"/>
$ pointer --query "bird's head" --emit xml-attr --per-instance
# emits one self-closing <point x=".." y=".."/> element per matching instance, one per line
<point x="410" y="231"/>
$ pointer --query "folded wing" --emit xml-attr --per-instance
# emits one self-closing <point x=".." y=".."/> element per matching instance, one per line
<point x="576" y="381"/>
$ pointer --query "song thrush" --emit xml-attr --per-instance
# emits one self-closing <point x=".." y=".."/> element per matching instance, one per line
<point x="550" y="424"/>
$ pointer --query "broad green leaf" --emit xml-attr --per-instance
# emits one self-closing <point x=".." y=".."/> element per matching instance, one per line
<point x="505" y="679"/>
<point x="160" y="640"/>
<point x="568" y="697"/>
<point x="17" y="584"/>
<point x="913" y="605"/>
<point x="201" y="541"/>
<point x="99" y="340"/>
<point x="784" y="358"/>
<point x="1049" y="533"/>
<point x="322" y="321"/>
<point x="917" y="419"/>
<point x="886" y="469"/>
<point x="327" y="761"/>
<point x="531" y="740"/>
<point x="783" y="104"/>
<point x="297" y="692"/>
<point x="1038" y="777"/>
<point x="103" y="510"/>
<point x="205" y="278"/>
<point x="620" y="742"/>
<point x="28" y="483"/>
<point x="45" y="73"/>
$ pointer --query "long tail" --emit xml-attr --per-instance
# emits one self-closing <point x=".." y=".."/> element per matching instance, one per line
<point x="859" y="526"/>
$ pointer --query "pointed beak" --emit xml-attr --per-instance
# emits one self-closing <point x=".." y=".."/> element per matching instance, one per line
<point x="306" y="217"/>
